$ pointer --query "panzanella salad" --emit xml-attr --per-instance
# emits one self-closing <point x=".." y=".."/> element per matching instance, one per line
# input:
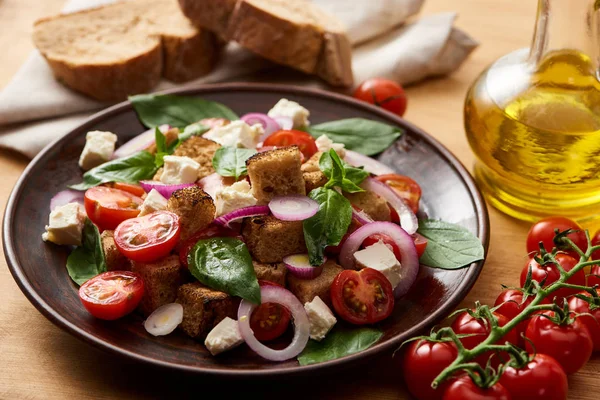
<point x="236" y="230"/>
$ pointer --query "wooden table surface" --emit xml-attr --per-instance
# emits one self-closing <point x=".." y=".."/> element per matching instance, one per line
<point x="40" y="361"/>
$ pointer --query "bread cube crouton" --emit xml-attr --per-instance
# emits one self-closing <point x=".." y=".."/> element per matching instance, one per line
<point x="115" y="261"/>
<point x="195" y="208"/>
<point x="269" y="239"/>
<point x="198" y="149"/>
<point x="271" y="272"/>
<point x="276" y="173"/>
<point x="375" y="206"/>
<point x="312" y="164"/>
<point x="161" y="279"/>
<point x="307" y="289"/>
<point x="313" y="180"/>
<point x="203" y="308"/>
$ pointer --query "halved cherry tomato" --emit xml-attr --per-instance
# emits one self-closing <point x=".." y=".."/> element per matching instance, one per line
<point x="303" y="140"/>
<point x="543" y="231"/>
<point x="465" y="389"/>
<point x="541" y="379"/>
<point x="362" y="297"/>
<point x="269" y="320"/>
<point x="113" y="294"/>
<point x="590" y="318"/>
<point x="551" y="273"/>
<point x="206" y="233"/>
<point x="148" y="238"/>
<point x="383" y="93"/>
<point x="388" y="241"/>
<point x="420" y="243"/>
<point x="107" y="207"/>
<point x="127" y="187"/>
<point x="407" y="189"/>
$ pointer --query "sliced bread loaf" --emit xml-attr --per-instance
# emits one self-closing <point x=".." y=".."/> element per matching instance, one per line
<point x="122" y="49"/>
<point x="295" y="33"/>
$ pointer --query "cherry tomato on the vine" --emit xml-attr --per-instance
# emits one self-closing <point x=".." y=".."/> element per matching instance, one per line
<point x="384" y="93"/>
<point x="510" y="302"/>
<point x="590" y="318"/>
<point x="594" y="277"/>
<point x="465" y="389"/>
<point x="552" y="274"/>
<point x="542" y="378"/>
<point x="596" y="242"/>
<point x="543" y="231"/>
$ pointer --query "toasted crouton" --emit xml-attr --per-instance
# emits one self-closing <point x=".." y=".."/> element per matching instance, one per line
<point x="313" y="180"/>
<point x="115" y="261"/>
<point x="307" y="289"/>
<point x="269" y="239"/>
<point x="376" y="207"/>
<point x="161" y="280"/>
<point x="170" y="136"/>
<point x="270" y="272"/>
<point x="195" y="209"/>
<point x="276" y="173"/>
<point x="312" y="164"/>
<point x="198" y="149"/>
<point x="203" y="308"/>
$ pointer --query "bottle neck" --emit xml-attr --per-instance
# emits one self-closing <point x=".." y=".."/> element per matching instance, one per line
<point x="566" y="25"/>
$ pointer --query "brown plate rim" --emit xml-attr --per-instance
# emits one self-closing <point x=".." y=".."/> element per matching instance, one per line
<point x="56" y="318"/>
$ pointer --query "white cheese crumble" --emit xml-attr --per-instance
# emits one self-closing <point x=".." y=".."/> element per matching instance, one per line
<point x="234" y="197"/>
<point x="236" y="134"/>
<point x="225" y="336"/>
<point x="179" y="170"/>
<point x="154" y="201"/>
<point x="99" y="148"/>
<point x="378" y="256"/>
<point x="293" y="110"/>
<point x="65" y="225"/>
<point x="324" y="144"/>
<point x="320" y="317"/>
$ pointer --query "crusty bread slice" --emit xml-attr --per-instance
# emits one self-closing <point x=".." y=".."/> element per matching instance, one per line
<point x="122" y="49"/>
<point x="295" y="33"/>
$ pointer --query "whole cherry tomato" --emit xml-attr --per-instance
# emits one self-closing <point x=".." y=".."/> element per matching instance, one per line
<point x="465" y="389"/>
<point x="594" y="277"/>
<point x="112" y="295"/>
<point x="551" y="273"/>
<point x="422" y="363"/>
<point x="383" y="93"/>
<point x="542" y="378"/>
<point x="543" y="231"/>
<point x="568" y="342"/>
<point x="591" y="320"/>
<point x="596" y="242"/>
<point x="511" y="303"/>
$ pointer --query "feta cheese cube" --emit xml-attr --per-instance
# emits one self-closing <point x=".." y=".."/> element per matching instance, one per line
<point x="225" y="336"/>
<point x="378" y="256"/>
<point x="65" y="225"/>
<point x="234" y="197"/>
<point x="179" y="170"/>
<point x="320" y="317"/>
<point x="154" y="201"/>
<point x="324" y="144"/>
<point x="293" y="110"/>
<point x="99" y="148"/>
<point x="236" y="134"/>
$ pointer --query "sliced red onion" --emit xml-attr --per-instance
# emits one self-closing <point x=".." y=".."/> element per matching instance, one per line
<point x="165" y="190"/>
<point x="284" y="122"/>
<point x="269" y="124"/>
<point x="408" y="219"/>
<point x="212" y="184"/>
<point x="234" y="216"/>
<point x="299" y="266"/>
<point x="405" y="242"/>
<point x="371" y="165"/>
<point x="279" y="295"/>
<point x="164" y="319"/>
<point x="139" y="142"/>
<point x="361" y="217"/>
<point x="65" y="197"/>
<point x="294" y="207"/>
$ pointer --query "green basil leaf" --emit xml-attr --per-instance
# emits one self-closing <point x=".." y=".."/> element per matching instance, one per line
<point x="178" y="111"/>
<point x="131" y="169"/>
<point x="341" y="174"/>
<point x="192" y="130"/>
<point x="161" y="148"/>
<point x="358" y="134"/>
<point x="225" y="264"/>
<point x="231" y="161"/>
<point x="337" y="344"/>
<point x="329" y="225"/>
<point x="450" y="246"/>
<point x="88" y="260"/>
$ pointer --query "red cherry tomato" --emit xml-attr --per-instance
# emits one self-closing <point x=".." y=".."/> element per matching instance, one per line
<point x="551" y="273"/>
<point x="511" y="304"/>
<point x="388" y="241"/>
<point x="467" y="324"/>
<point x="303" y="140"/>
<point x="148" y="238"/>
<point x="362" y="297"/>
<point x="407" y="189"/>
<point x="541" y="379"/>
<point x="594" y="277"/>
<point x="112" y="295"/>
<point x="423" y="361"/>
<point x="543" y="231"/>
<point x="206" y="233"/>
<point x="465" y="389"/>
<point x="420" y="244"/>
<point x="596" y="242"/>
<point x="269" y="320"/>
<point x="107" y="207"/>
<point x="591" y="320"/>
<point x="383" y="93"/>
<point x="127" y="187"/>
<point x="569" y="344"/>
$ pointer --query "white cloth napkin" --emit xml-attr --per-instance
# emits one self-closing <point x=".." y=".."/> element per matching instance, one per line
<point x="35" y="109"/>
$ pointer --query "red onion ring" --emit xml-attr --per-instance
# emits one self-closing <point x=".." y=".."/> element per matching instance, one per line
<point x="405" y="242"/>
<point x="371" y="165"/>
<point x="139" y="142"/>
<point x="293" y="207"/>
<point x="65" y="197"/>
<point x="279" y="295"/>
<point x="361" y="217"/>
<point x="165" y="190"/>
<point x="234" y="216"/>
<point x="269" y="124"/>
<point x="299" y="266"/>
<point x="408" y="219"/>
<point x="284" y="122"/>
